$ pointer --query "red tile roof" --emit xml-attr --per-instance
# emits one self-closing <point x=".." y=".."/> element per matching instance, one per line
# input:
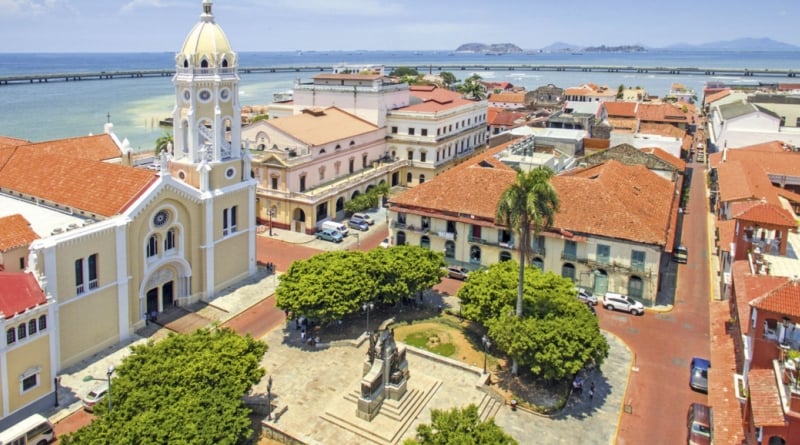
<point x="616" y="200"/>
<point x="506" y="118"/>
<point x="764" y="398"/>
<point x="749" y="287"/>
<point x="661" y="113"/>
<point x="784" y="300"/>
<point x="711" y="98"/>
<point x="664" y="155"/>
<point x="621" y="109"/>
<point x="623" y="124"/>
<point x="508" y="97"/>
<point x="780" y="162"/>
<point x="6" y="141"/>
<point x="662" y="130"/>
<point x="728" y="425"/>
<point x="435" y="99"/>
<point x="97" y="148"/>
<point x="726" y="229"/>
<point x="15" y="231"/>
<point x="98" y="188"/>
<point x="767" y="213"/>
<point x="18" y="293"/>
<point x="739" y="181"/>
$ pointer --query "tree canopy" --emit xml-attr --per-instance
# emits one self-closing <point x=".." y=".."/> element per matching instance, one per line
<point x="557" y="335"/>
<point x="369" y="200"/>
<point x="448" y="78"/>
<point x="180" y="390"/>
<point x="331" y="285"/>
<point x="460" y="426"/>
<point x="473" y="88"/>
<point x="402" y="71"/>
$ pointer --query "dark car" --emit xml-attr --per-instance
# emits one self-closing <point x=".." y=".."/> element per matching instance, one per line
<point x="457" y="272"/>
<point x="358" y="224"/>
<point x="699" y="421"/>
<point x="698" y="374"/>
<point x="329" y="235"/>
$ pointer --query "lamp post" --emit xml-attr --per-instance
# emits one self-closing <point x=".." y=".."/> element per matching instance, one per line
<point x="269" y="398"/>
<point x="486" y="345"/>
<point x="56" y="381"/>
<point x="368" y="307"/>
<point x="271" y="215"/>
<point x="108" y="374"/>
<point x="358" y="240"/>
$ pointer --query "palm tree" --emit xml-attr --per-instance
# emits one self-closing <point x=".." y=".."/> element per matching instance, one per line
<point x="529" y="203"/>
<point x="163" y="142"/>
<point x="473" y="88"/>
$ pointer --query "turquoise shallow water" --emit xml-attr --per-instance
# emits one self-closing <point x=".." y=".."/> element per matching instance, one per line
<point x="67" y="109"/>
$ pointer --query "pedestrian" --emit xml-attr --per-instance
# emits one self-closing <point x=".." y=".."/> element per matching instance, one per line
<point x="302" y="335"/>
<point x="591" y="392"/>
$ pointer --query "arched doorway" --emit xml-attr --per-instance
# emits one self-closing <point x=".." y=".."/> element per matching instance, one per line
<point x="600" y="282"/>
<point x="409" y="178"/>
<point x="425" y="242"/>
<point x="635" y="287"/>
<point x="355" y="193"/>
<point x="568" y="271"/>
<point x="164" y="287"/>
<point x="449" y="249"/>
<point x="505" y="256"/>
<point x="401" y="239"/>
<point x="298" y="220"/>
<point x="370" y="187"/>
<point x="395" y="179"/>
<point x="340" y="207"/>
<point x="776" y="440"/>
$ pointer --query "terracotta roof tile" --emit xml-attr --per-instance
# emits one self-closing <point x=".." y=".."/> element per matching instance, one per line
<point x="728" y="426"/>
<point x="6" y="141"/>
<point x="621" y="109"/>
<point x="784" y="300"/>
<point x="591" y="90"/>
<point x="664" y="155"/>
<point x="767" y="213"/>
<point x="18" y="293"/>
<point x="623" y="124"/>
<point x="15" y="231"/>
<point x="98" y="188"/>
<point x="97" y="148"/>
<point x="711" y="98"/>
<point x="667" y="130"/>
<point x="661" y="113"/>
<point x="764" y="398"/>
<point x="749" y="287"/>
<point x="508" y="97"/>
<point x="740" y="182"/>
<point x="726" y="229"/>
<point x="435" y="99"/>
<point x="507" y="118"/>
<point x="780" y="162"/>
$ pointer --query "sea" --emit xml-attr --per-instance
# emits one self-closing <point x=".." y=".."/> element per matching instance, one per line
<point x="53" y="110"/>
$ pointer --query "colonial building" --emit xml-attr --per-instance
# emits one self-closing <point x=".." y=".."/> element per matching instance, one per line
<point x="117" y="243"/>
<point x="614" y="229"/>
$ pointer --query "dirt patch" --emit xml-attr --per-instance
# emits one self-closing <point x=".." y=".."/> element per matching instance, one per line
<point x="437" y="334"/>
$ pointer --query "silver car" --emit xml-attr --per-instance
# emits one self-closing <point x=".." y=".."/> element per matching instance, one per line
<point x="587" y="297"/>
<point x="619" y="302"/>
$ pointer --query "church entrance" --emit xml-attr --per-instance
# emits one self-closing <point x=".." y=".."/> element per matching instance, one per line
<point x="167" y="297"/>
<point x="152" y="301"/>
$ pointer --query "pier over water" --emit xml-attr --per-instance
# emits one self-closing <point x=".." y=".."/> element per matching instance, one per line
<point x="102" y="75"/>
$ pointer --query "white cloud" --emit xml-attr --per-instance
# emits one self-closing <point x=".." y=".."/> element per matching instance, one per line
<point x="136" y="4"/>
<point x="28" y="7"/>
<point x="372" y="8"/>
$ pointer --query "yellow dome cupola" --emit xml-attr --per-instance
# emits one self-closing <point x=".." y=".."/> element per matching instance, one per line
<point x="206" y="46"/>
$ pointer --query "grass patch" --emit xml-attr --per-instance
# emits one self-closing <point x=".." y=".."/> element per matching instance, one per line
<point x="431" y="341"/>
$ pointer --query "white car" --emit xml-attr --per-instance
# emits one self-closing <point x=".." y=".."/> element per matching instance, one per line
<point x="364" y="217"/>
<point x="619" y="302"/>
<point x="385" y="243"/>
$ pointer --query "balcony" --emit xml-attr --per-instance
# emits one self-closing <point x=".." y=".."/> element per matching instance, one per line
<point x="570" y="256"/>
<point x="788" y="383"/>
<point x="410" y="227"/>
<point x="504" y="244"/>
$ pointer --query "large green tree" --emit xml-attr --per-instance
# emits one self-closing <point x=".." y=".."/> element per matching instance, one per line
<point x="473" y="88"/>
<point x="402" y="71"/>
<point x="403" y="271"/>
<point x="529" y="204"/>
<point x="448" y="78"/>
<point x="163" y="142"/>
<point x="327" y="286"/>
<point x="184" y="389"/>
<point x="558" y="335"/>
<point x="460" y="426"/>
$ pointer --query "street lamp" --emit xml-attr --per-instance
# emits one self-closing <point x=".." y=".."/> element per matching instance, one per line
<point x="272" y="211"/>
<point x="368" y="307"/>
<point x="486" y="345"/>
<point x="269" y="398"/>
<point x="358" y="240"/>
<point x="56" y="381"/>
<point x="108" y="374"/>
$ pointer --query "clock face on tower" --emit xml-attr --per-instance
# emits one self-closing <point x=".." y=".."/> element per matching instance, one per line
<point x="204" y="95"/>
<point x="224" y="94"/>
<point x="160" y="219"/>
<point x="187" y="95"/>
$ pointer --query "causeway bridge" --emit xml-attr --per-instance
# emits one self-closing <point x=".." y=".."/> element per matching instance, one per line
<point x="745" y="72"/>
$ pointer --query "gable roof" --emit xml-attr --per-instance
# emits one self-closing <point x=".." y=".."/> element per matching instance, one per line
<point x="764" y="400"/>
<point x="742" y="108"/>
<point x="784" y="300"/>
<point x="711" y="98"/>
<point x="7" y="141"/>
<point x="621" y="109"/>
<point x="433" y="99"/>
<point x="780" y="161"/>
<point x="665" y="156"/>
<point x="15" y="231"/>
<point x="508" y="97"/>
<point x="97" y="148"/>
<point x="766" y="213"/>
<point x="18" y="293"/>
<point x="321" y="126"/>
<point x="661" y="113"/>
<point x="95" y="187"/>
<point x="506" y="118"/>
<point x="667" y="130"/>
<point x="617" y="201"/>
<point x="653" y="157"/>
<point x="740" y="182"/>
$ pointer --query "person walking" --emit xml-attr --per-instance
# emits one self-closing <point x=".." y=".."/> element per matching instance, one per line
<point x="591" y="392"/>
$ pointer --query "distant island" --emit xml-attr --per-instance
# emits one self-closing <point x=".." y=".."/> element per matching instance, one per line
<point x="614" y="49"/>
<point x="493" y="48"/>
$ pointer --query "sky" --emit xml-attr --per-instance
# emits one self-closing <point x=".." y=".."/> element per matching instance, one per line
<point x="326" y="25"/>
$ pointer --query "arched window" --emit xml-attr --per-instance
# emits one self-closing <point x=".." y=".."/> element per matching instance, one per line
<point x="204" y="63"/>
<point x="538" y="262"/>
<point x="43" y="322"/>
<point x="401" y="239"/>
<point x="224" y="63"/>
<point x="449" y="249"/>
<point x="22" y="331"/>
<point x="186" y="63"/>
<point x="409" y="178"/>
<point x="505" y="256"/>
<point x="32" y="326"/>
<point x="11" y="336"/>
<point x="568" y="271"/>
<point x="475" y="255"/>
<point x="152" y="246"/>
<point x="352" y="143"/>
<point x="322" y="152"/>
<point x="169" y="240"/>
<point x="421" y="178"/>
<point x="425" y="242"/>
<point x="337" y="147"/>
<point x="635" y="287"/>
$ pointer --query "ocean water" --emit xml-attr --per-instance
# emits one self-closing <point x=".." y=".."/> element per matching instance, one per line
<point x="53" y="110"/>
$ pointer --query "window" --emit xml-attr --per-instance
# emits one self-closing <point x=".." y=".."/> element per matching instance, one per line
<point x="169" y="240"/>
<point x="11" y="336"/>
<point x="401" y="218"/>
<point x="22" y="263"/>
<point x="426" y="222"/>
<point x="425" y="242"/>
<point x="635" y="287"/>
<point x="570" y="250"/>
<point x="364" y="160"/>
<point x="410" y="155"/>
<point x="568" y="271"/>
<point x="538" y="262"/>
<point x="476" y="233"/>
<point x="449" y="249"/>
<point x="475" y="255"/>
<point x="152" y="246"/>
<point x="274" y="181"/>
<point x="229" y="220"/>
<point x="22" y="331"/>
<point x="538" y="245"/>
<point x="421" y="178"/>
<point x="93" y="271"/>
<point x="603" y="253"/>
<point x="322" y="173"/>
<point x="29" y="380"/>
<point x="394" y="130"/>
<point x="411" y="131"/>
<point x="637" y="260"/>
<point x="423" y="156"/>
<point x="352" y="165"/>
<point x="409" y="178"/>
<point x="302" y="183"/>
<point x="79" y="276"/>
<point x="43" y="322"/>
<point x="424" y="132"/>
<point x="32" y="326"/>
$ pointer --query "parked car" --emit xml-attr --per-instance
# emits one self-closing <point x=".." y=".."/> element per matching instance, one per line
<point x="358" y="224"/>
<point x="587" y="297"/>
<point x="364" y="217"/>
<point x="698" y="374"/>
<point x="94" y="396"/>
<point x="333" y="236"/>
<point x="699" y="423"/>
<point x="457" y="272"/>
<point x="681" y="254"/>
<point x="386" y="243"/>
<point x="619" y="302"/>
